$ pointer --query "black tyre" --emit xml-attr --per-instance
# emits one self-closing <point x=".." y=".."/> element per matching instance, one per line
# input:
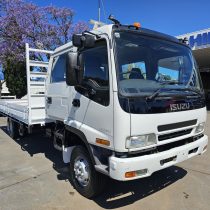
<point x="83" y="176"/>
<point x="22" y="130"/>
<point x="12" y="128"/>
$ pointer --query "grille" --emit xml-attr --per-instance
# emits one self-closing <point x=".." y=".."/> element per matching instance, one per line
<point x="174" y="134"/>
<point x="176" y="125"/>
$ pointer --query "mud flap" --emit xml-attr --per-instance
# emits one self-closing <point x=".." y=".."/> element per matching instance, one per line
<point x="67" y="153"/>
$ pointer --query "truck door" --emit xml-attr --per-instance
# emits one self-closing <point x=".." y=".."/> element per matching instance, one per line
<point x="57" y="90"/>
<point x="92" y="102"/>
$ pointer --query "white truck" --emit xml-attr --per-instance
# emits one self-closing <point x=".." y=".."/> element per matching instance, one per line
<point x="119" y="101"/>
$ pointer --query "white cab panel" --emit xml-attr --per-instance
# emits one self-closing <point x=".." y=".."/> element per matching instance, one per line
<point x="148" y="123"/>
<point x="60" y="97"/>
<point x="121" y="125"/>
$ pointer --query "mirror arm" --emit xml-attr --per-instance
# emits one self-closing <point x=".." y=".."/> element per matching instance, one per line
<point x="82" y="87"/>
<point x="88" y="32"/>
<point x="92" y="89"/>
<point x="80" y="49"/>
<point x="97" y="89"/>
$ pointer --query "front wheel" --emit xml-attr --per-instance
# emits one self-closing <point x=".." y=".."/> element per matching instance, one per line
<point x="83" y="176"/>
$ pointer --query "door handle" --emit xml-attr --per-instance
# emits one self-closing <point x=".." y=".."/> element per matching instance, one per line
<point x="49" y="100"/>
<point x="76" y="102"/>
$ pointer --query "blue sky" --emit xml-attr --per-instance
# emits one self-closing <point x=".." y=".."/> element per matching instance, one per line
<point x="1" y="75"/>
<point x="173" y="17"/>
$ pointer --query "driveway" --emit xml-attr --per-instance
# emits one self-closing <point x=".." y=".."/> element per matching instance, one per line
<point x="33" y="176"/>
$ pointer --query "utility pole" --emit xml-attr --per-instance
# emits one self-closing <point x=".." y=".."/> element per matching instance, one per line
<point x="99" y="10"/>
<point x="98" y="23"/>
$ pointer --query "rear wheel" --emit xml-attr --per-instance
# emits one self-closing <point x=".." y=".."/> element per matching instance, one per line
<point x="85" y="179"/>
<point x="12" y="128"/>
<point x="22" y="130"/>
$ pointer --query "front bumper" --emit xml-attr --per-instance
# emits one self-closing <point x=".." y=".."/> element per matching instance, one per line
<point x="155" y="162"/>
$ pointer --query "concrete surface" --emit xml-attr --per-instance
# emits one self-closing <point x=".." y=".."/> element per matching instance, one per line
<point x="32" y="176"/>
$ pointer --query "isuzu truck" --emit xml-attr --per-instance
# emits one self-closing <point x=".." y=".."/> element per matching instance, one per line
<point x="119" y="101"/>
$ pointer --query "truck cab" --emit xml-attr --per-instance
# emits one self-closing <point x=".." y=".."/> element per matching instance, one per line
<point x="126" y="102"/>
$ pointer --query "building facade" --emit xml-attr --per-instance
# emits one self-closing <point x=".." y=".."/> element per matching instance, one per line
<point x="199" y="41"/>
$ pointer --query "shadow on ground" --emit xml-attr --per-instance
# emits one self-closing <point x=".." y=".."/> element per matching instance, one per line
<point x="120" y="194"/>
<point x="117" y="194"/>
<point x="39" y="143"/>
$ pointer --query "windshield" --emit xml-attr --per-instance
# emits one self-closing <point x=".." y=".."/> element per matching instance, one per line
<point x="144" y="64"/>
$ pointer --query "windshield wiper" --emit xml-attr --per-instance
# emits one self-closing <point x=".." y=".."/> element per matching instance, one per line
<point x="190" y="89"/>
<point x="157" y="92"/>
<point x="171" y="83"/>
<point x="164" y="84"/>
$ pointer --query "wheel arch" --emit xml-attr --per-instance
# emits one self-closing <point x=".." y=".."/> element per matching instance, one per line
<point x="73" y="137"/>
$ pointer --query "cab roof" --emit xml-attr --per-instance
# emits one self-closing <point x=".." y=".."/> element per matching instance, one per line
<point x="130" y="28"/>
<point x="147" y="32"/>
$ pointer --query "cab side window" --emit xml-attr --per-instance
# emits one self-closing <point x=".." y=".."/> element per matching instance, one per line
<point x="59" y="69"/>
<point x="95" y="83"/>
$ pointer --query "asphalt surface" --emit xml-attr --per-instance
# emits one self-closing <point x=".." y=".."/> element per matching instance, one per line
<point x="33" y="176"/>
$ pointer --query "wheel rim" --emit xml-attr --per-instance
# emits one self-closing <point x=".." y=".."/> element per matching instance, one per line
<point x="81" y="171"/>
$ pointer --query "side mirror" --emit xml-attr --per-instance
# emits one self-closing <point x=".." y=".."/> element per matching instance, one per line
<point x="86" y="40"/>
<point x="74" y="72"/>
<point x="77" y="40"/>
<point x="89" y="41"/>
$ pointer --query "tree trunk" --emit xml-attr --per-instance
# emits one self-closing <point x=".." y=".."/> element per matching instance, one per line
<point x="0" y="88"/>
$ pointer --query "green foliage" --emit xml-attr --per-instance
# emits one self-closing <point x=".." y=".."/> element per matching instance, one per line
<point x="15" y="76"/>
<point x="41" y="27"/>
<point x="167" y="77"/>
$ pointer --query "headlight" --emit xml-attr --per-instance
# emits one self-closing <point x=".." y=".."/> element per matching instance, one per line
<point x="140" y="141"/>
<point x="200" y="128"/>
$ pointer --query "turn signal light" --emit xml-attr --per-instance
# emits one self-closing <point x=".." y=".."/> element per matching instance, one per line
<point x="130" y="174"/>
<point x="103" y="142"/>
<point x="137" y="25"/>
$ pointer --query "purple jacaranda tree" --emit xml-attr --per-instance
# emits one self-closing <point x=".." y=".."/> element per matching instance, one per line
<point x="42" y="27"/>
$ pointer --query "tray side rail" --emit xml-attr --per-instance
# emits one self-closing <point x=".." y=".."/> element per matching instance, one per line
<point x="36" y="85"/>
